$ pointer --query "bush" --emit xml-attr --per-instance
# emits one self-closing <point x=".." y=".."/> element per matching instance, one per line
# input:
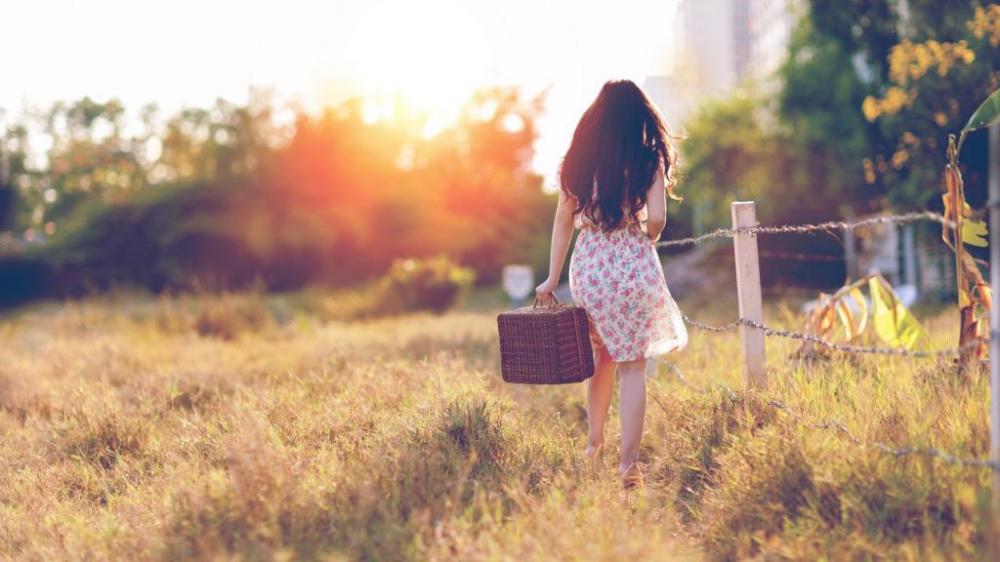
<point x="228" y="316"/>
<point x="434" y="284"/>
<point x="23" y="279"/>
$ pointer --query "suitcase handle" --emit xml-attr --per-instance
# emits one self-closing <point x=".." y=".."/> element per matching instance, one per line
<point x="555" y="301"/>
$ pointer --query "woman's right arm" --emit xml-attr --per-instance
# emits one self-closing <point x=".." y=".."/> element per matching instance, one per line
<point x="656" y="206"/>
<point x="562" y="232"/>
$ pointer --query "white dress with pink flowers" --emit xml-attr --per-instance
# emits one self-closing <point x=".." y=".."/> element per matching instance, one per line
<point x="617" y="277"/>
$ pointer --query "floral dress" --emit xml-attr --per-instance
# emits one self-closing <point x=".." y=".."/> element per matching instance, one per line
<point x="617" y="277"/>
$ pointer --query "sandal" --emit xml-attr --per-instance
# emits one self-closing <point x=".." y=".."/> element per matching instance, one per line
<point x="632" y="477"/>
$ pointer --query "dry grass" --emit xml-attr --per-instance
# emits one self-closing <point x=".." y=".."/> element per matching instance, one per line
<point x="129" y="432"/>
<point x="257" y="429"/>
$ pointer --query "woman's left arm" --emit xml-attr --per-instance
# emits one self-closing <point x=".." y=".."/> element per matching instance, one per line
<point x="562" y="232"/>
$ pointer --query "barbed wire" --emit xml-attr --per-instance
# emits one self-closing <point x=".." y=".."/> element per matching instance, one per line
<point x="829" y="424"/>
<point x="710" y="328"/>
<point x="697" y="388"/>
<point x="718" y="233"/>
<point x="681" y="378"/>
<point x="767" y="254"/>
<point x="833" y="424"/>
<point x="843" y="225"/>
<point x="794" y="291"/>
<point x="810" y="228"/>
<point x="847" y="348"/>
<point x="694" y="240"/>
<point x="812" y="338"/>
<point x="905" y="451"/>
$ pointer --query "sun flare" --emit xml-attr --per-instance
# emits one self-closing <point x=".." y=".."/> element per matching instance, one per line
<point x="432" y="64"/>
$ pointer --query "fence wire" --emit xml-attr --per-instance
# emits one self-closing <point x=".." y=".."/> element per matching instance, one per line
<point x="810" y="228"/>
<point x="812" y="338"/>
<point x="793" y="256"/>
<point x="829" y="424"/>
<point x="835" y="425"/>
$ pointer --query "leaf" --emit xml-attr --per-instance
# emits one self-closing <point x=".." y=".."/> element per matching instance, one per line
<point x="847" y="320"/>
<point x="828" y="320"/>
<point x="987" y="114"/>
<point x="859" y="299"/>
<point x="947" y="202"/>
<point x="970" y="272"/>
<point x="964" y="297"/>
<point x="966" y="209"/>
<point x="985" y="295"/>
<point x="893" y="322"/>
<point x="974" y="233"/>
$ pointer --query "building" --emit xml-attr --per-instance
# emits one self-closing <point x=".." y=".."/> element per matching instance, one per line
<point x="674" y="98"/>
<point x="721" y="45"/>
<point x="707" y="44"/>
<point x="770" y="25"/>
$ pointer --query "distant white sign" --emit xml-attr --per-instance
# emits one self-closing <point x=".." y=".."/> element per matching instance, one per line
<point x="518" y="281"/>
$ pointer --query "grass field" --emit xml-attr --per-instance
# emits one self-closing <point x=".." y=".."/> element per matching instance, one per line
<point x="264" y="428"/>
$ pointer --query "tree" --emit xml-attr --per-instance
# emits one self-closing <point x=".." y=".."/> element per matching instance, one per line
<point x="928" y="63"/>
<point x="817" y="106"/>
<point x="868" y="95"/>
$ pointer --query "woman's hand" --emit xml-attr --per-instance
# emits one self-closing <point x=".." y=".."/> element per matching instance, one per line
<point x="544" y="291"/>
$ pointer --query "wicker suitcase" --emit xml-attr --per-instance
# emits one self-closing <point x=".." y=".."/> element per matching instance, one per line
<point x="545" y="345"/>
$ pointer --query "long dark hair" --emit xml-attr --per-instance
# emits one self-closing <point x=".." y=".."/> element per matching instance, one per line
<point x="619" y="144"/>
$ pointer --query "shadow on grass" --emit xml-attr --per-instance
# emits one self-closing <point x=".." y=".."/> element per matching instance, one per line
<point x="462" y="464"/>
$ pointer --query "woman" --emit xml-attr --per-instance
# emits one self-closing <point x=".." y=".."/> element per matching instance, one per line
<point x="614" y="182"/>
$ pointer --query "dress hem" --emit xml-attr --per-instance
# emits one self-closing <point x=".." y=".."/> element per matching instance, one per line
<point x="656" y="351"/>
<point x="651" y="354"/>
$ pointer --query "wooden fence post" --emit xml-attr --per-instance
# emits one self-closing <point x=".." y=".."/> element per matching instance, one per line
<point x="994" y="206"/>
<point x="748" y="291"/>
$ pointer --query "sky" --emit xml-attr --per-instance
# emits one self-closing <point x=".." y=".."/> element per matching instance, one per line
<point x="433" y="52"/>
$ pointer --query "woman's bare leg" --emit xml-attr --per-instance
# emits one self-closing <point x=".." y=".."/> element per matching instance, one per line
<point x="599" y="389"/>
<point x="632" y="408"/>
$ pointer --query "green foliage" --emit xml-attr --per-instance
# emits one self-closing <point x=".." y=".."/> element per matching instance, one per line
<point x="818" y="107"/>
<point x="866" y="99"/>
<point x="726" y="155"/>
<point x="434" y="284"/>
<point x="788" y="155"/>
<point x="987" y="114"/>
<point x="734" y="152"/>
<point x="91" y="157"/>
<point x="974" y="233"/>
<point x="335" y="204"/>
<point x="172" y="237"/>
<point x="932" y="68"/>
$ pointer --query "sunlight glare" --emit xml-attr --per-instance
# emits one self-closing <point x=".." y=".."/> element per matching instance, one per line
<point x="512" y="123"/>
<point x="429" y="62"/>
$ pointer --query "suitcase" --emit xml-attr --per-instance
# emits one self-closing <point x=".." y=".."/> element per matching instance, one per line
<point x="547" y="344"/>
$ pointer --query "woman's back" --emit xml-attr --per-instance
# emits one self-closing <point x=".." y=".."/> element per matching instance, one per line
<point x="581" y="219"/>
